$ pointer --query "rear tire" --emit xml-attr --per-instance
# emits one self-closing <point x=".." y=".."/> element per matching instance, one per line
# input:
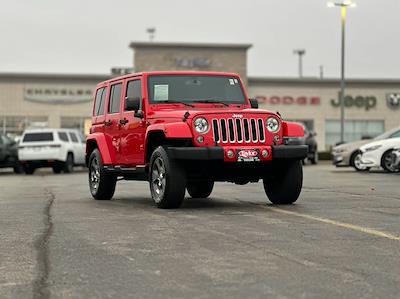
<point x="69" y="164"/>
<point x="285" y="187"/>
<point x="200" y="189"/>
<point x="57" y="169"/>
<point x="101" y="184"/>
<point x="18" y="169"/>
<point x="29" y="169"/>
<point x="167" y="180"/>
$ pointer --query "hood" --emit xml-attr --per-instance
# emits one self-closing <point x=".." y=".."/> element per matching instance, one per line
<point x="352" y="145"/>
<point x="178" y="113"/>
<point x="388" y="143"/>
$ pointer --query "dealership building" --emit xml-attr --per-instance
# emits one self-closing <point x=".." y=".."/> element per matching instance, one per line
<point x="61" y="100"/>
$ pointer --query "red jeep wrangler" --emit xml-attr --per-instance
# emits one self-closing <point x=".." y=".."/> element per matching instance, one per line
<point x="186" y="130"/>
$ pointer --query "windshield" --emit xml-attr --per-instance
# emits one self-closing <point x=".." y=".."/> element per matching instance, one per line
<point x="389" y="134"/>
<point x="34" y="137"/>
<point x="192" y="89"/>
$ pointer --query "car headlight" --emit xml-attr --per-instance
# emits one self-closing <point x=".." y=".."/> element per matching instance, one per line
<point x="272" y="124"/>
<point x="201" y="125"/>
<point x="372" y="148"/>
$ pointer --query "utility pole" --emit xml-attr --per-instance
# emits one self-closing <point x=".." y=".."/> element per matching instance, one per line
<point x="321" y="72"/>
<point x="300" y="53"/>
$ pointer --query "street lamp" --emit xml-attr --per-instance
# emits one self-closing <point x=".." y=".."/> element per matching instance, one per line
<point x="344" y="4"/>
<point x="300" y="52"/>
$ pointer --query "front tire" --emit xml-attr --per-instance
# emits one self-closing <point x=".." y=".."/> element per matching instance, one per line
<point x="200" y="189"/>
<point x="102" y="184"/>
<point x="285" y="187"/>
<point x="29" y="169"/>
<point x="167" y="180"/>
<point x="355" y="161"/>
<point x="387" y="162"/>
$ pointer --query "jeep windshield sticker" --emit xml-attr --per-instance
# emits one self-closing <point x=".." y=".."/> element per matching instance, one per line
<point x="231" y="82"/>
<point x="161" y="92"/>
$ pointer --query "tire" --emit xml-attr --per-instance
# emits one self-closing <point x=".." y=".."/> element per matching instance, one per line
<point x="315" y="158"/>
<point x="101" y="184"/>
<point x="29" y="169"/>
<point x="200" y="189"/>
<point x="285" y="187"/>
<point x="356" y="162"/>
<point x="18" y="169"/>
<point x="69" y="164"/>
<point x="387" y="162"/>
<point x="57" y="169"/>
<point x="167" y="180"/>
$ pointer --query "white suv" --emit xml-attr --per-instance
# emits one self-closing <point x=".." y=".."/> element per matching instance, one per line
<point x="60" y="149"/>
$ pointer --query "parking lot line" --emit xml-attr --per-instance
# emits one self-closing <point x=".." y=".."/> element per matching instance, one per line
<point x="358" y="228"/>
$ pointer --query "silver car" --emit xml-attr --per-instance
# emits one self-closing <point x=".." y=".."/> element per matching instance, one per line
<point x="348" y="154"/>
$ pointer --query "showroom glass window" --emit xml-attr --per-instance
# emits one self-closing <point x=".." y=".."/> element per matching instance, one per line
<point x="353" y="129"/>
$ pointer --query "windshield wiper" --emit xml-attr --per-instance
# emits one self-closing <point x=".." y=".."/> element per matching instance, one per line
<point x="211" y="101"/>
<point x="174" y="102"/>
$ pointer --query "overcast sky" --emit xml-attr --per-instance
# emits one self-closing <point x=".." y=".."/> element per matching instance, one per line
<point x="91" y="36"/>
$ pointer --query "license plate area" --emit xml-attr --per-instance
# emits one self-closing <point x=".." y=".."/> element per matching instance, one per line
<point x="248" y="155"/>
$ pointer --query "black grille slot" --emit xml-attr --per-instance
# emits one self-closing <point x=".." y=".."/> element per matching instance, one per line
<point x="246" y="130"/>
<point x="231" y="130"/>
<point x="261" y="129"/>
<point x="216" y="131"/>
<point x="223" y="131"/>
<point x="239" y="130"/>
<point x="253" y="129"/>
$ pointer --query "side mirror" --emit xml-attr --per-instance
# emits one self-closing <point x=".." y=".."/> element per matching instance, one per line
<point x="254" y="103"/>
<point x="139" y="114"/>
<point x="132" y="104"/>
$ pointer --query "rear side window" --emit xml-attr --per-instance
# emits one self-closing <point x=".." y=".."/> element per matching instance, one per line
<point x="42" y="136"/>
<point x="63" y="136"/>
<point x="100" y="101"/>
<point x="73" y="138"/>
<point x="115" y="98"/>
<point x="134" y="90"/>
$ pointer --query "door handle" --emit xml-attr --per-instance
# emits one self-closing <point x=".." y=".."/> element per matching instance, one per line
<point x="108" y="123"/>
<point x="123" y="122"/>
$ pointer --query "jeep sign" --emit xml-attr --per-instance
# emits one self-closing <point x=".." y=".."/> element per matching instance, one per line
<point x="366" y="102"/>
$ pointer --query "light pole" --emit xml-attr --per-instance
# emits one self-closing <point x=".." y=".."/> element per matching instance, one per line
<point x="344" y="4"/>
<point x="300" y="52"/>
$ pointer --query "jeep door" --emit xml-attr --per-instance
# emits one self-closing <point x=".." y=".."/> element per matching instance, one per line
<point x="113" y="115"/>
<point x="133" y="128"/>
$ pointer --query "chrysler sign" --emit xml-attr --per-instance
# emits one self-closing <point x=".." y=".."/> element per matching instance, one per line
<point x="48" y="94"/>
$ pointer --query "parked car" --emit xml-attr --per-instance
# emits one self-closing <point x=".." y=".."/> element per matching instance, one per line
<point x="9" y="154"/>
<point x="309" y="140"/>
<point x="60" y="149"/>
<point x="349" y="154"/>
<point x="184" y="131"/>
<point x="379" y="154"/>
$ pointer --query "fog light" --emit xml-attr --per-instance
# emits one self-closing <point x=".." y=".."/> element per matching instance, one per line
<point x="264" y="153"/>
<point x="277" y="138"/>
<point x="200" y="139"/>
<point x="230" y="153"/>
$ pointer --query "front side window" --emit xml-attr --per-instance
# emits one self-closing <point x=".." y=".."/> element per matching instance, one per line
<point x="115" y="98"/>
<point x="73" y="137"/>
<point x="192" y="89"/>
<point x="134" y="90"/>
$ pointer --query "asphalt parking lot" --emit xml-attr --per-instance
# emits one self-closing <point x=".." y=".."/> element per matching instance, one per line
<point x="340" y="240"/>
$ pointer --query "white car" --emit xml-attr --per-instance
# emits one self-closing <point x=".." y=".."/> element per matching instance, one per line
<point x="379" y="154"/>
<point x="60" y="149"/>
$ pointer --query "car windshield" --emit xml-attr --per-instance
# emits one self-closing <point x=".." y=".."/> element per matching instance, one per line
<point x="195" y="89"/>
<point x="35" y="137"/>
<point x="388" y="134"/>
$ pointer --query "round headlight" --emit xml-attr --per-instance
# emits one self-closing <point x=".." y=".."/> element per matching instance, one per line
<point x="272" y="125"/>
<point x="201" y="125"/>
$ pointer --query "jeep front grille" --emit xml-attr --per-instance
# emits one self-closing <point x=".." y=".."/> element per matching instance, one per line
<point x="238" y="130"/>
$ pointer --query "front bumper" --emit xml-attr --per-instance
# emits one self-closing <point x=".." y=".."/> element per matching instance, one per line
<point x="220" y="153"/>
<point x="371" y="159"/>
<point x="341" y="158"/>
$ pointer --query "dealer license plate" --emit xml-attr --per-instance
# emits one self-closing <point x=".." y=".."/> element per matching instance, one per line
<point x="248" y="155"/>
